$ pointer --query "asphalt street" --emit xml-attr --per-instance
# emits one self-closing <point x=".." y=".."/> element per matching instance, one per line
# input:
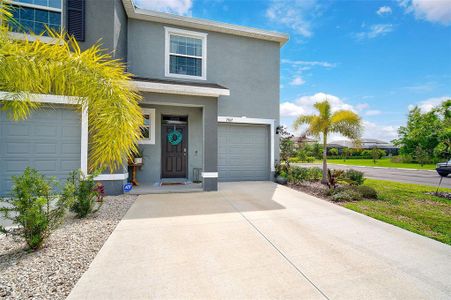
<point x="425" y="177"/>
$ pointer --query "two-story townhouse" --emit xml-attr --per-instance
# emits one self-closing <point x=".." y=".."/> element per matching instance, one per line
<point x="210" y="96"/>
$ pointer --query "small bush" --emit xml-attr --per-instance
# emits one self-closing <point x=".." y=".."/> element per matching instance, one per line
<point x="294" y="160"/>
<point x="354" y="177"/>
<point x="34" y="207"/>
<point x="82" y="193"/>
<point x="297" y="175"/>
<point x="366" y="191"/>
<point x="315" y="174"/>
<point x="300" y="174"/>
<point x="346" y="195"/>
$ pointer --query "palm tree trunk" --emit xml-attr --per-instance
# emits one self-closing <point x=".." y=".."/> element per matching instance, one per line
<point x="324" y="180"/>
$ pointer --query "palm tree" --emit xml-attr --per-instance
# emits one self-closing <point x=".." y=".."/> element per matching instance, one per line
<point x="344" y="122"/>
<point x="91" y="77"/>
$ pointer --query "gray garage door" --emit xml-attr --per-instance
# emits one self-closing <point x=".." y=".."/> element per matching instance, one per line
<point x="243" y="152"/>
<point x="49" y="141"/>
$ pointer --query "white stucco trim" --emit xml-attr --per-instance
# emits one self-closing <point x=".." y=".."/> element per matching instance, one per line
<point x="179" y="89"/>
<point x="209" y="174"/>
<point x="134" y="12"/>
<point x="106" y="177"/>
<point x="152" y="119"/>
<point x="167" y="52"/>
<point x="57" y="99"/>
<point x="245" y="120"/>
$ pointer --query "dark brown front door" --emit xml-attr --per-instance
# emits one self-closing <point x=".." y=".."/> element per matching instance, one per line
<point x="174" y="155"/>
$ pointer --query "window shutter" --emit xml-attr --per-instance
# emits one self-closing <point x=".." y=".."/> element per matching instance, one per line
<point x="76" y="19"/>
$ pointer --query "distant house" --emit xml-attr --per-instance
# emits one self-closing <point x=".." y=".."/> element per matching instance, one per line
<point x="303" y="140"/>
<point x="364" y="144"/>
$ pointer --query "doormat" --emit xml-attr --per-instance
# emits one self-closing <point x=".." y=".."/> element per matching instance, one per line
<point x="172" y="183"/>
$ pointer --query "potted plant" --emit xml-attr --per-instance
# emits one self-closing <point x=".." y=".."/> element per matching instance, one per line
<point x="138" y="157"/>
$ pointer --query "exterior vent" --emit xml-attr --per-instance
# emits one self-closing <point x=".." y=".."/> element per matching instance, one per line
<point x="76" y="19"/>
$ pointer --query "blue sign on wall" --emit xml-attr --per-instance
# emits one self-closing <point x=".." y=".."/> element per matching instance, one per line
<point x="127" y="187"/>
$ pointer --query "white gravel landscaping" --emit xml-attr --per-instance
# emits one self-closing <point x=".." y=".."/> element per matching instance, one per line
<point x="52" y="272"/>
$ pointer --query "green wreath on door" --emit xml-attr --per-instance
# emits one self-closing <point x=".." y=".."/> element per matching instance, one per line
<point x="175" y="137"/>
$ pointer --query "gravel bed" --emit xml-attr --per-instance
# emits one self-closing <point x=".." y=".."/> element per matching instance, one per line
<point x="52" y="272"/>
<point x="445" y="195"/>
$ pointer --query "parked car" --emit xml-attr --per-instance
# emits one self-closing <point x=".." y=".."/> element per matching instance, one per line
<point x="444" y="169"/>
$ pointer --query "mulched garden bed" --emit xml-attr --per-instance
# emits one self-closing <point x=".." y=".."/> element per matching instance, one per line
<point x="52" y="272"/>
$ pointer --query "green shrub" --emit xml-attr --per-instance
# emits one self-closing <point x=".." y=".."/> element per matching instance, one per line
<point x="33" y="207"/>
<point x="294" y="159"/>
<point x="354" y="177"/>
<point x="297" y="175"/>
<point x="310" y="159"/>
<point x="366" y="191"/>
<point x="346" y="195"/>
<point x="300" y="174"/>
<point x="315" y="174"/>
<point x="81" y="192"/>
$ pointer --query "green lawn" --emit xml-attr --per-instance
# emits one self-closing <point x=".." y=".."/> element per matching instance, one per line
<point x="385" y="162"/>
<point x="407" y="206"/>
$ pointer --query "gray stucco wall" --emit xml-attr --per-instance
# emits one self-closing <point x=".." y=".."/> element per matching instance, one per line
<point x="151" y="169"/>
<point x="106" y="22"/>
<point x="249" y="67"/>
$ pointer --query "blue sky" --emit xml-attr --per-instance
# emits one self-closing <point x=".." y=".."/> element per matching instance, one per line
<point x="377" y="58"/>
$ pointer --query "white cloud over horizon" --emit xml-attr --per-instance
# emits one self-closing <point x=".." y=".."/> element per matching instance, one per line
<point x="428" y="104"/>
<point x="178" y="7"/>
<point x="384" y="10"/>
<point x="303" y="105"/>
<point x="436" y="11"/>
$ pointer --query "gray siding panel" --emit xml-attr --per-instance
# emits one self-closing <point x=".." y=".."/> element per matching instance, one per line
<point x="49" y="140"/>
<point x="243" y="152"/>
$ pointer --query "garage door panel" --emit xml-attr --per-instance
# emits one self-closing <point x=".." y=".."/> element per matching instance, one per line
<point x="243" y="152"/>
<point x="49" y="141"/>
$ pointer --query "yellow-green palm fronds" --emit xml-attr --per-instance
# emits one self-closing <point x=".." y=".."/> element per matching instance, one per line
<point x="92" y="77"/>
<point x="347" y="123"/>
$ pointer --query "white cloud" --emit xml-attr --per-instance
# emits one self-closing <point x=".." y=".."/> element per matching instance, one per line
<point x="362" y="106"/>
<point x="297" y="80"/>
<point x="296" y="14"/>
<point x="438" y="11"/>
<point x="381" y="132"/>
<point x="373" y="112"/>
<point x="384" y="10"/>
<point x="324" y="64"/>
<point x="375" y="31"/>
<point x="178" y="7"/>
<point x="428" y="104"/>
<point x="289" y="109"/>
<point x="304" y="105"/>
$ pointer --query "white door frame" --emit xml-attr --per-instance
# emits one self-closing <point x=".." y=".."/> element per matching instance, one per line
<point x="245" y="120"/>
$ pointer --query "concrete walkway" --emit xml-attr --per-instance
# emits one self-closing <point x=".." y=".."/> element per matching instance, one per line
<point x="258" y="240"/>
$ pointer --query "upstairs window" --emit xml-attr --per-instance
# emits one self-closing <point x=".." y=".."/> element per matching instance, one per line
<point x="35" y="15"/>
<point x="186" y="54"/>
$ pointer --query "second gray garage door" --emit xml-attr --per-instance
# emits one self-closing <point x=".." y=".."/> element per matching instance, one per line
<point x="243" y="152"/>
<point x="49" y="141"/>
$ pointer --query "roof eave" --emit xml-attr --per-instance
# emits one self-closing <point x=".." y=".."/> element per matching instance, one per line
<point x="178" y="89"/>
<point x="154" y="16"/>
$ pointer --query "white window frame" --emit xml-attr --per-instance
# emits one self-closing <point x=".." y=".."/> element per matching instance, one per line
<point x="41" y="7"/>
<point x="192" y="34"/>
<point x="151" y="140"/>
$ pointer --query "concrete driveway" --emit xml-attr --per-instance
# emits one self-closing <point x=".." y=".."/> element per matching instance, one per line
<point x="260" y="240"/>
